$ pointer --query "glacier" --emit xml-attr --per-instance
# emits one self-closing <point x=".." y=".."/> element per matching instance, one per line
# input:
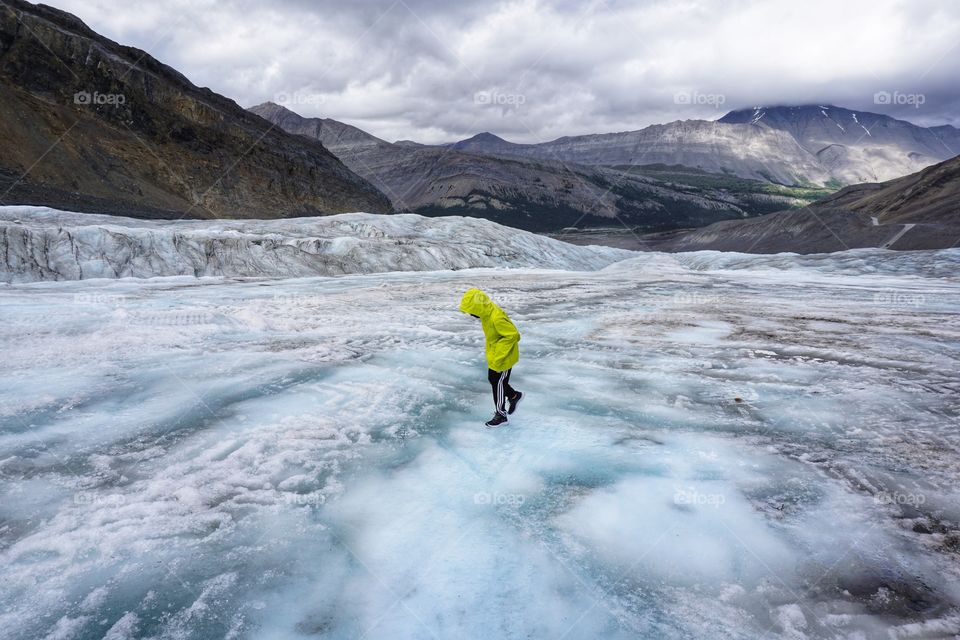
<point x="39" y="243"/>
<point x="712" y="445"/>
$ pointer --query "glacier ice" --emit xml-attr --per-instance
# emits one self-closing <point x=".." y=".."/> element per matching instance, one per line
<point x="38" y="243"/>
<point x="712" y="446"/>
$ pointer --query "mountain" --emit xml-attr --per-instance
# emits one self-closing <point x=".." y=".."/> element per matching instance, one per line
<point x="529" y="193"/>
<point x="486" y="143"/>
<point x="821" y="145"/>
<point x="739" y="150"/>
<point x="928" y="196"/>
<point x="335" y="135"/>
<point x="856" y="146"/>
<point x="948" y="135"/>
<point x="918" y="211"/>
<point x="90" y="124"/>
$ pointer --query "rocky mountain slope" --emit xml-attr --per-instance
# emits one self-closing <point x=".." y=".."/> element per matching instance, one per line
<point x="528" y="193"/>
<point x="856" y="146"/>
<point x="740" y="150"/>
<point x="928" y="196"/>
<point x="919" y="211"/>
<point x="95" y="125"/>
<point x="787" y="145"/>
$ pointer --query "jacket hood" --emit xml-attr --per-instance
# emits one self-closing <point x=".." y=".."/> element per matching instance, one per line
<point x="476" y="302"/>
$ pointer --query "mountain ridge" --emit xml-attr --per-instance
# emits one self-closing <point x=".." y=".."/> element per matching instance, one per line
<point x="782" y="152"/>
<point x="529" y="193"/>
<point x="132" y="134"/>
<point x="918" y="211"/>
<point x="167" y="148"/>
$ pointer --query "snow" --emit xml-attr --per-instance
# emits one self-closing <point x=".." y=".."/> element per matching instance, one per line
<point x="861" y="126"/>
<point x="46" y="244"/>
<point x="823" y="111"/>
<point x="712" y="446"/>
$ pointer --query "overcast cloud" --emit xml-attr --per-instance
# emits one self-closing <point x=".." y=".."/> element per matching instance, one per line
<point x="440" y="70"/>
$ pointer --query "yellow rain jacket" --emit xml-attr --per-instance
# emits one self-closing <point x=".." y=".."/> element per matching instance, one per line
<point x="503" y="339"/>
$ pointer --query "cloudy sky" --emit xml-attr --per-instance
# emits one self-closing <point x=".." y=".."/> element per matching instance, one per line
<point x="528" y="70"/>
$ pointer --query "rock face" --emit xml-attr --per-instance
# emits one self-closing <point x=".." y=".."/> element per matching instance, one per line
<point x="918" y="211"/>
<point x="529" y="193"/>
<point x="37" y="243"/>
<point x="856" y="146"/>
<point x="740" y="150"/>
<point x="101" y="126"/>
<point x="787" y="145"/>
<point x="335" y="136"/>
<point x="928" y="196"/>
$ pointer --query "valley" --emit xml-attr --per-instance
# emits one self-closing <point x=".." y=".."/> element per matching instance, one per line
<point x="513" y="319"/>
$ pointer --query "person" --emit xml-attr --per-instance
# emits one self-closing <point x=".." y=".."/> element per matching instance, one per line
<point x="503" y="351"/>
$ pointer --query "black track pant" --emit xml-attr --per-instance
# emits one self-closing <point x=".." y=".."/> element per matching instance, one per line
<point x="500" y="381"/>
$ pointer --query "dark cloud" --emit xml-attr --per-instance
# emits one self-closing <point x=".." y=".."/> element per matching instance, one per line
<point x="435" y="70"/>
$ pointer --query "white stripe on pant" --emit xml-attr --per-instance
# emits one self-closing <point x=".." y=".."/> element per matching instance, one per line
<point x="500" y="383"/>
<point x="501" y="405"/>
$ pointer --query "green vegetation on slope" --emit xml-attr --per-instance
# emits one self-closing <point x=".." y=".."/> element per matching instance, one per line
<point x="703" y="183"/>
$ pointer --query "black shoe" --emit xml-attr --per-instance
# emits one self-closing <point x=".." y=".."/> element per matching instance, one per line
<point x="514" y="401"/>
<point x="496" y="420"/>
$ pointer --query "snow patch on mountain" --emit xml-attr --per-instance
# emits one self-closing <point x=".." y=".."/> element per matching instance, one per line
<point x="861" y="126"/>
